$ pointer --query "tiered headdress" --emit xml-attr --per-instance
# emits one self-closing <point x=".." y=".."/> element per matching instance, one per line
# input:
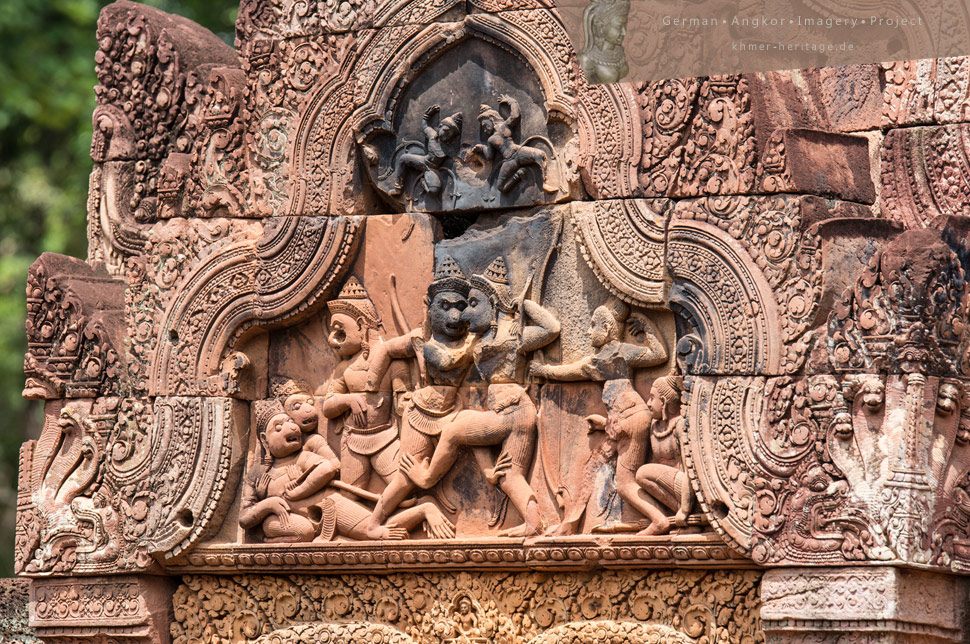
<point x="354" y="301"/>
<point x="448" y="277"/>
<point x="495" y="283"/>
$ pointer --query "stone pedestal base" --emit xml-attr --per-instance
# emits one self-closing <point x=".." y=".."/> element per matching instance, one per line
<point x="119" y="610"/>
<point x="864" y="605"/>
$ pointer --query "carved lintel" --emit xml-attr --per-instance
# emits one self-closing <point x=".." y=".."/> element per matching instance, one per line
<point x="125" y="609"/>
<point x="877" y="605"/>
<point x="476" y="607"/>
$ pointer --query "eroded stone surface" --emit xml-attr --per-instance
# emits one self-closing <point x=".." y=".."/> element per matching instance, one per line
<point x="394" y="328"/>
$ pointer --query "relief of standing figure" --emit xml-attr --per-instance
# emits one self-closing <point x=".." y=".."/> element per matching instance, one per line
<point x="443" y="352"/>
<point x="368" y="426"/>
<point x="504" y="339"/>
<point x="500" y="147"/>
<point x="628" y="417"/>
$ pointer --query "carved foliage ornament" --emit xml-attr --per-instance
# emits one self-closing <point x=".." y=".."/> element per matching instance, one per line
<point x="856" y="467"/>
<point x="74" y="332"/>
<point x="470" y="608"/>
<point x="107" y="487"/>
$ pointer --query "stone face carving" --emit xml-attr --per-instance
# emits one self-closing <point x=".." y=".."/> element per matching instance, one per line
<point x="604" y="28"/>
<point x="611" y="328"/>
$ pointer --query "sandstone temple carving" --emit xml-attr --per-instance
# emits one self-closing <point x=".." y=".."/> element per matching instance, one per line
<point x="394" y="328"/>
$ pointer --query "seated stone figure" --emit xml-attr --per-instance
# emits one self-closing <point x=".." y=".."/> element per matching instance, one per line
<point x="628" y="417"/>
<point x="292" y="475"/>
<point x="291" y="497"/>
<point x="664" y="478"/>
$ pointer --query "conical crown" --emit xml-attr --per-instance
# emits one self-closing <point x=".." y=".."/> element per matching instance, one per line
<point x="495" y="282"/>
<point x="354" y="301"/>
<point x="448" y="276"/>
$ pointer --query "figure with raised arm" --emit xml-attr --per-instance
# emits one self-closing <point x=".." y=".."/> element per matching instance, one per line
<point x="500" y="146"/>
<point x="430" y="161"/>
<point x="504" y="339"/>
<point x="628" y="417"/>
<point x="367" y="424"/>
<point x="443" y="351"/>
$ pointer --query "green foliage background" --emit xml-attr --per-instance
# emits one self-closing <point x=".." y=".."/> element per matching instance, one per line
<point x="46" y="99"/>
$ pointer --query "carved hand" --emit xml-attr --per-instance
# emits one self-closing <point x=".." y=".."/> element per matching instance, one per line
<point x="538" y="370"/>
<point x="281" y="509"/>
<point x="596" y="423"/>
<point x="431" y="111"/>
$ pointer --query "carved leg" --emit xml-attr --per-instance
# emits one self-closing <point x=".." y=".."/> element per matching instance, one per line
<point x="354" y="468"/>
<point x="643" y="501"/>
<point x="140" y="609"/>
<point x="412" y="442"/>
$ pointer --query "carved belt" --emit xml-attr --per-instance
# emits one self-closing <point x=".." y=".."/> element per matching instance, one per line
<point x="366" y="430"/>
<point x="433" y="407"/>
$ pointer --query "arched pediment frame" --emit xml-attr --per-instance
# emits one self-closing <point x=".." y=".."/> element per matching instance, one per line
<point x="330" y="166"/>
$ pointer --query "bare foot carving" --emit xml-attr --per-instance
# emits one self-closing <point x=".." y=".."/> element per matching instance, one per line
<point x="562" y="529"/>
<point x="532" y="527"/>
<point x="658" y="526"/>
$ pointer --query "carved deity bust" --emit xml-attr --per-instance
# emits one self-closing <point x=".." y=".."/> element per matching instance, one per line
<point x="604" y="27"/>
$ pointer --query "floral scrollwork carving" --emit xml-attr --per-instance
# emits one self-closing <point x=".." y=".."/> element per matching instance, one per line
<point x="661" y="606"/>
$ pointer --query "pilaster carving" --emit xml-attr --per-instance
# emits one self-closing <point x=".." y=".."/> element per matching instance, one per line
<point x="861" y="604"/>
<point x="124" y="609"/>
<point x="851" y="467"/>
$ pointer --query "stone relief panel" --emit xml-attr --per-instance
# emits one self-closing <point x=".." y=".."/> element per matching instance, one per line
<point x="660" y="606"/>
<point x="865" y="462"/>
<point x="391" y="419"/>
<point x="394" y="290"/>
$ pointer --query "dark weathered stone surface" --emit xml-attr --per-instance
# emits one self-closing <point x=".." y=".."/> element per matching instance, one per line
<point x="13" y="612"/>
